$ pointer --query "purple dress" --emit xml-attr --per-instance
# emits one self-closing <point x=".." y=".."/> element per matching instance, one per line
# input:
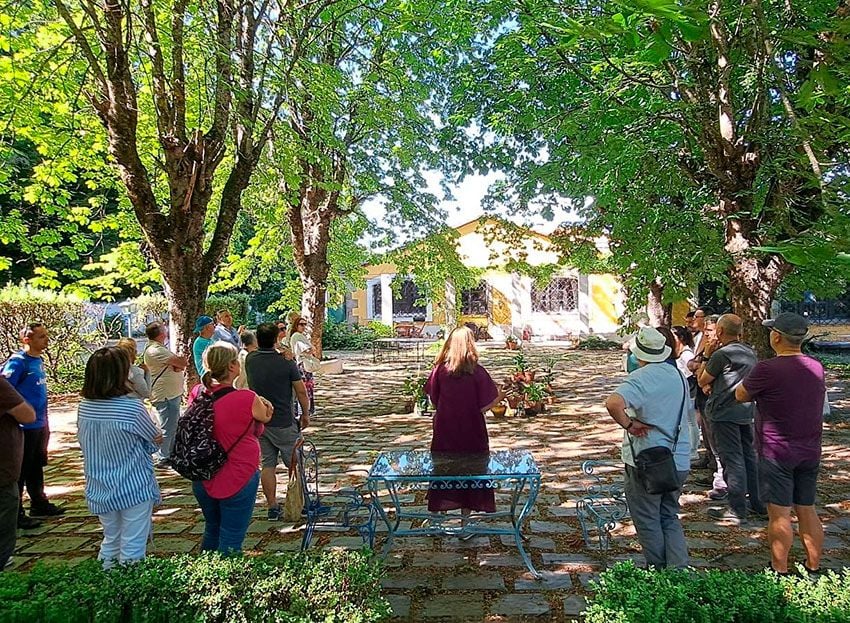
<point x="459" y="427"/>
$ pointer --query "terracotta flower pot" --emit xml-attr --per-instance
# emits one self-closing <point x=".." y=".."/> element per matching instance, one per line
<point x="513" y="401"/>
<point x="499" y="410"/>
<point x="533" y="408"/>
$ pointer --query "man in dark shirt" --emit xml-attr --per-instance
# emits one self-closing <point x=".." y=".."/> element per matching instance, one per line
<point x="276" y="378"/>
<point x="731" y="422"/>
<point x="14" y="411"/>
<point x="789" y="392"/>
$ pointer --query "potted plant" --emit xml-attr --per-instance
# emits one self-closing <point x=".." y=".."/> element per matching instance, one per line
<point x="548" y="377"/>
<point x="511" y="343"/>
<point x="533" y="396"/>
<point x="522" y="371"/>
<point x="513" y="392"/>
<point x="413" y="390"/>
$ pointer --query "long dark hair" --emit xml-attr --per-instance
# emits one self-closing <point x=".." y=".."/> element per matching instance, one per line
<point x="683" y="335"/>
<point x="107" y="373"/>
<point x="670" y="340"/>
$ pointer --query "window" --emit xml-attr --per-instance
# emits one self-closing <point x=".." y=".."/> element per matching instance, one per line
<point x="404" y="301"/>
<point x="376" y="300"/>
<point x="474" y="302"/>
<point x="560" y="295"/>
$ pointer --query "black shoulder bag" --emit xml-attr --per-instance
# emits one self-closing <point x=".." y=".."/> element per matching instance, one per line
<point x="656" y="467"/>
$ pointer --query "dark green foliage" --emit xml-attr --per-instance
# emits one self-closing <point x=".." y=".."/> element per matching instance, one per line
<point x="327" y="586"/>
<point x="342" y="336"/>
<point x="627" y="594"/>
<point x="237" y="303"/>
<point x="594" y="342"/>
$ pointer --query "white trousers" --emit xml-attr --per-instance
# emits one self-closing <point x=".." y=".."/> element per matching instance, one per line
<point x="125" y="534"/>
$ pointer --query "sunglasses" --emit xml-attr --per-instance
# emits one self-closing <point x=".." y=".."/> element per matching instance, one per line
<point x="302" y="323"/>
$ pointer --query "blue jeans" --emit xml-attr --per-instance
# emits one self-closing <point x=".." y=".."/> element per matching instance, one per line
<point x="169" y="413"/>
<point x="226" y="521"/>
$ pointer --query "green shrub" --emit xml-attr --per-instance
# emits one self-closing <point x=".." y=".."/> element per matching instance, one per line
<point x="594" y="342"/>
<point x="238" y="304"/>
<point x="627" y="594"/>
<point x="76" y="328"/>
<point x="342" y="336"/>
<point x="316" y="586"/>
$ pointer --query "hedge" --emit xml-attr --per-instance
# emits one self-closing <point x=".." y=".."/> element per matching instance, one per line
<point x="238" y="304"/>
<point x="76" y="327"/>
<point x="316" y="586"/>
<point x="342" y="336"/>
<point x="627" y="594"/>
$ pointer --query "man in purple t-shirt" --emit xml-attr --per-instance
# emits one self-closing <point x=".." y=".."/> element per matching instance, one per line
<point x="789" y="392"/>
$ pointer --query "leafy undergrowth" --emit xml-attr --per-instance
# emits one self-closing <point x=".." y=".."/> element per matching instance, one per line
<point x="628" y="594"/>
<point x="328" y="586"/>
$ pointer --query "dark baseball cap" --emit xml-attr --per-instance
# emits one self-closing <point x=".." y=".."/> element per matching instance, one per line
<point x="788" y="323"/>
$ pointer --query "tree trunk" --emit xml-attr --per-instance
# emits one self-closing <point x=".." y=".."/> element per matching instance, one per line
<point x="313" y="306"/>
<point x="753" y="282"/>
<point x="186" y="292"/>
<point x="310" y="224"/>
<point x="659" y="313"/>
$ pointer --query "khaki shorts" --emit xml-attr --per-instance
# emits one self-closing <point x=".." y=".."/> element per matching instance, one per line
<point x="276" y="444"/>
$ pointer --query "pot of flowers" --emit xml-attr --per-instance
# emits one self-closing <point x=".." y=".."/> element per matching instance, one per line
<point x="533" y="396"/>
<point x="511" y="343"/>
<point x="522" y="371"/>
<point x="548" y="377"/>
<point x="415" y="399"/>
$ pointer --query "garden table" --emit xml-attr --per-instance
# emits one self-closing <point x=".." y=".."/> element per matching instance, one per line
<point x="400" y="348"/>
<point x="513" y="471"/>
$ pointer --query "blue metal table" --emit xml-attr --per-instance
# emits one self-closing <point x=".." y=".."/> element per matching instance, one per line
<point x="514" y="471"/>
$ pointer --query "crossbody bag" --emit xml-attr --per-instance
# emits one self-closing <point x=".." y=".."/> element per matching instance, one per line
<point x="656" y="466"/>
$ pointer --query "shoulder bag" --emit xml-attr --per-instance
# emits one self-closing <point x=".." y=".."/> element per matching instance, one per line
<point x="655" y="466"/>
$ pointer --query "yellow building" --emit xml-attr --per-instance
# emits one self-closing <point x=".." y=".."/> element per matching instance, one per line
<point x="506" y="302"/>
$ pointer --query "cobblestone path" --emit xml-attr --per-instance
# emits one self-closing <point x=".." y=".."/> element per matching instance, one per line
<point x="445" y="578"/>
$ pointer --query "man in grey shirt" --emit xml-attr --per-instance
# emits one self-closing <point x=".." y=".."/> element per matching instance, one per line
<point x="732" y="421"/>
<point x="276" y="378"/>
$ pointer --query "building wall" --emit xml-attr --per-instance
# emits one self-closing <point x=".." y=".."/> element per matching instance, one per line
<point x="599" y="298"/>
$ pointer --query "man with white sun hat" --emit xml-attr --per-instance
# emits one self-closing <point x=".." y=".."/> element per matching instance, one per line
<point x="649" y="405"/>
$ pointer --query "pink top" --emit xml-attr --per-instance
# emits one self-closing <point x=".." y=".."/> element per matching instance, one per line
<point x="233" y="416"/>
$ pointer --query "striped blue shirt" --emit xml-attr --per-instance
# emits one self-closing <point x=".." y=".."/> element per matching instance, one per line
<point x="116" y="436"/>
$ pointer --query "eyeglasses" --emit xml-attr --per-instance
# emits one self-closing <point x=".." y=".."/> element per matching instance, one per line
<point x="302" y="323"/>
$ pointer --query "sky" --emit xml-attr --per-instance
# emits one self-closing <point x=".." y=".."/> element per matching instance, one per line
<point x="466" y="204"/>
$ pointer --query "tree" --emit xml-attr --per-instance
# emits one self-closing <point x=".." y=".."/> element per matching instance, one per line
<point x="359" y="125"/>
<point x="703" y="106"/>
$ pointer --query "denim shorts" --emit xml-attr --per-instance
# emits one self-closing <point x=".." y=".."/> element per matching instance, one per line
<point x="786" y="484"/>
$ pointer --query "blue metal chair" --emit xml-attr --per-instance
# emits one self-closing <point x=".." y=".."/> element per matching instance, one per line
<point x="357" y="513"/>
<point x="602" y="506"/>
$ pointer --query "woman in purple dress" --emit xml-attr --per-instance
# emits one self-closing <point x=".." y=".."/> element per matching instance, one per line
<point x="462" y="392"/>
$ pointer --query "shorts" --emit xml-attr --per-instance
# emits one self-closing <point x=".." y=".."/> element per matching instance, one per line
<point x="784" y="484"/>
<point x="277" y="443"/>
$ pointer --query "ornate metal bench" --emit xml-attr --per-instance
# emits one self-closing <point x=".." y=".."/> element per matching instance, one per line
<point x="603" y="504"/>
<point x="356" y="512"/>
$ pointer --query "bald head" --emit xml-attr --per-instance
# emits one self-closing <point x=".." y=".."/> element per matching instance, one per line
<point x="730" y="326"/>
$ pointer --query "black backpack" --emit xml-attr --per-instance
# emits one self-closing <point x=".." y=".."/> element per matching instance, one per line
<point x="196" y="454"/>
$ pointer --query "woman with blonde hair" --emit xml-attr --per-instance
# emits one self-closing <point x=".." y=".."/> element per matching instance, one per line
<point x="301" y="347"/>
<point x="227" y="499"/>
<point x="140" y="377"/>
<point x="462" y="392"/>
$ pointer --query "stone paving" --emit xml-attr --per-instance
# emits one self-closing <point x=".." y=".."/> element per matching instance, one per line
<point x="445" y="578"/>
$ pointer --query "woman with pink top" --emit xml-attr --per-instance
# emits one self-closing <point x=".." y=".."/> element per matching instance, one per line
<point x="227" y="499"/>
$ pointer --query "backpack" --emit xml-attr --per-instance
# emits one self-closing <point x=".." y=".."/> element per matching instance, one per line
<point x="196" y="454"/>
